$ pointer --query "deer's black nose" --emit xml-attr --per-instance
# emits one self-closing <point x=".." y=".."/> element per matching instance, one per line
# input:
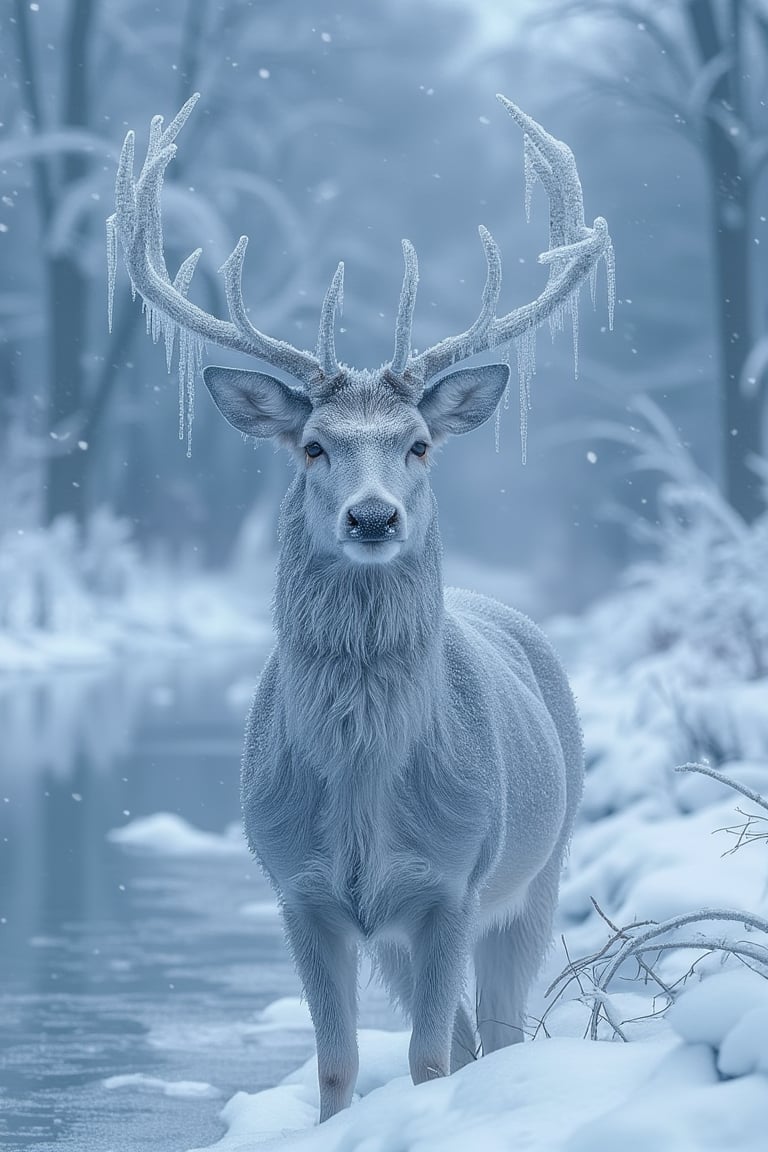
<point x="372" y="520"/>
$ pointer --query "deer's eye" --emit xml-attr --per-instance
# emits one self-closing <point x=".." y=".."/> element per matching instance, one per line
<point x="419" y="448"/>
<point x="313" y="450"/>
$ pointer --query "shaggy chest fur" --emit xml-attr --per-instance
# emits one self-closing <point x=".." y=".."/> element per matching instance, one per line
<point x="367" y="737"/>
<point x="368" y="871"/>
<point x="356" y="790"/>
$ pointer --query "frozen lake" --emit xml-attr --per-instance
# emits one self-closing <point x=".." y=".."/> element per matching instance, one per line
<point x="117" y="961"/>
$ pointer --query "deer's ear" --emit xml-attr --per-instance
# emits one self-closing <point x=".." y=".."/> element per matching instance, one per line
<point x="257" y="404"/>
<point x="463" y="400"/>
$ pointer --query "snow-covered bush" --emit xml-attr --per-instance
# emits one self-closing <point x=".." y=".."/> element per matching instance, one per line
<point x="671" y="668"/>
<point x="698" y="602"/>
<point x="54" y="578"/>
<point x="77" y="596"/>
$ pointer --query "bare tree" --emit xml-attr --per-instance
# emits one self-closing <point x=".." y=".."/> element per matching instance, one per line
<point x="65" y="290"/>
<point x="53" y="115"/>
<point x="714" y="63"/>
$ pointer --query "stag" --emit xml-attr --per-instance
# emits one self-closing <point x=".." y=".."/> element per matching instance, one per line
<point x="413" y="758"/>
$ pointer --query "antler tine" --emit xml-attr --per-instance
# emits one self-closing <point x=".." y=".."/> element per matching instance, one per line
<point x="152" y="282"/>
<point x="461" y="347"/>
<point x="492" y="287"/>
<point x="280" y="353"/>
<point x="326" y="340"/>
<point x="137" y="221"/>
<point x="573" y="255"/>
<point x="183" y="277"/>
<point x="554" y="164"/>
<point x="178" y="122"/>
<point x="404" y="322"/>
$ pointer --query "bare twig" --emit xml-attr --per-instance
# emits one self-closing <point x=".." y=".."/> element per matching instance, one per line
<point x="602" y="1004"/>
<point x="600" y="968"/>
<point x="705" y="770"/>
<point x="743" y="832"/>
<point x="649" y="941"/>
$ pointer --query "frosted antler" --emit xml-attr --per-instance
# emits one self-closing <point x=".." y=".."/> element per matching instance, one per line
<point x="137" y="223"/>
<point x="573" y="256"/>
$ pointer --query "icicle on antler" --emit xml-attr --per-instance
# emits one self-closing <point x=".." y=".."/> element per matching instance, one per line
<point x="573" y="257"/>
<point x="138" y="225"/>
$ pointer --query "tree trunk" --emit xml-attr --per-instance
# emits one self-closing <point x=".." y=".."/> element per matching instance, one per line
<point x="741" y="413"/>
<point x="66" y="492"/>
<point x="65" y="487"/>
<point x="731" y="196"/>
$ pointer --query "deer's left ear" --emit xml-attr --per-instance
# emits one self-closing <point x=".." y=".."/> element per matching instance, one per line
<point x="463" y="400"/>
<point x="258" y="404"/>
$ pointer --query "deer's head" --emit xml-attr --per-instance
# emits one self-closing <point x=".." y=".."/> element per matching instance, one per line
<point x="362" y="438"/>
<point x="364" y="441"/>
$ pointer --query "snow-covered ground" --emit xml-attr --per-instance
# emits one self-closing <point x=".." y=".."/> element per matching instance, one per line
<point x="564" y="1094"/>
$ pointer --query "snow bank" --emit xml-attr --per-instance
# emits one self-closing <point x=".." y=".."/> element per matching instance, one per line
<point x="285" y="1013"/>
<point x="729" y="1013"/>
<point x="681" y="1108"/>
<point x="533" y="1096"/>
<point x="166" y="834"/>
<point x="556" y="1095"/>
<point x="645" y="863"/>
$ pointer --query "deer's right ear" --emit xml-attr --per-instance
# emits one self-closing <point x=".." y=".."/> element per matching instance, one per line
<point x="258" y="404"/>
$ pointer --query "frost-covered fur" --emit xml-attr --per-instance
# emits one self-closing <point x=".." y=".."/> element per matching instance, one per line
<point x="413" y="759"/>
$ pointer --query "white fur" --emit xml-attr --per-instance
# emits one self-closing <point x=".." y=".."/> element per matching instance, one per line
<point x="372" y="553"/>
<point x="413" y="759"/>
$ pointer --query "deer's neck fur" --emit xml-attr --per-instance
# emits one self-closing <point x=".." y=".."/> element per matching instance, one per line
<point x="360" y="647"/>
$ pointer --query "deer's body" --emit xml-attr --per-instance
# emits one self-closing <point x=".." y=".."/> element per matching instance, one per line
<point x="438" y="756"/>
<point x="413" y="759"/>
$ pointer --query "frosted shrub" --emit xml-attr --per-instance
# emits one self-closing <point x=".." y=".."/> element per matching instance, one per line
<point x="109" y="559"/>
<point x="51" y="576"/>
<point x="706" y="592"/>
<point x="80" y="596"/>
<point x="699" y="602"/>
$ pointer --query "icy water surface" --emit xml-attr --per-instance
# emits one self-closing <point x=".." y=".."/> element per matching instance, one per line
<point x="115" y="961"/>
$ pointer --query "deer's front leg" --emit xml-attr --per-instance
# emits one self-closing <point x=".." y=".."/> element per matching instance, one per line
<point x="327" y="964"/>
<point x="439" y="949"/>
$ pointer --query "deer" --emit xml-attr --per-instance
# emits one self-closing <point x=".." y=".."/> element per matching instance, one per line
<point x="413" y="758"/>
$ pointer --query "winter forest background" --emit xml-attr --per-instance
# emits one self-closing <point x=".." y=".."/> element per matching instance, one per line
<point x="327" y="134"/>
<point x="135" y="582"/>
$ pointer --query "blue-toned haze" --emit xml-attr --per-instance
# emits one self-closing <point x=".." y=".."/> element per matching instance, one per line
<point x="148" y="997"/>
